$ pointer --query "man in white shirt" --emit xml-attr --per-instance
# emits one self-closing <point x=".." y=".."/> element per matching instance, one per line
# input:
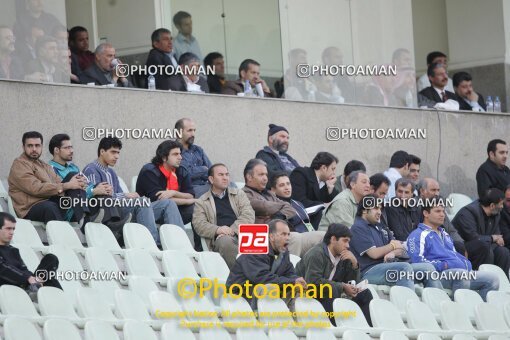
<point x="399" y="167"/>
<point x="434" y="58"/>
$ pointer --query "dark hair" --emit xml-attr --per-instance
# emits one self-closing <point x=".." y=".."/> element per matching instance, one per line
<point x="275" y="176"/>
<point x="211" y="57"/>
<point x="6" y="217"/>
<point x="398" y="52"/>
<point x="179" y="125"/>
<point x="362" y="205"/>
<point x="403" y="182"/>
<point x="431" y="69"/>
<point x="42" y="41"/>
<point x="73" y="32"/>
<point x="433" y="55"/>
<point x="252" y="163"/>
<point x="399" y="159"/>
<point x="108" y="143"/>
<point x="428" y="204"/>
<point x="31" y="134"/>
<point x="163" y="151"/>
<point x="187" y="58"/>
<point x="378" y="179"/>
<point x="491" y="147"/>
<point x="56" y="141"/>
<point x="210" y="172"/>
<point x="272" y="225"/>
<point x="459" y="77"/>
<point x="414" y="159"/>
<point x="323" y="158"/>
<point x="338" y="230"/>
<point x="179" y="16"/>
<point x="353" y="165"/>
<point x="156" y="35"/>
<point x="490" y="196"/>
<point x="246" y="64"/>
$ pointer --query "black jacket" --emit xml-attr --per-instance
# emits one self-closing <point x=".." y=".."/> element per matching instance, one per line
<point x="157" y="57"/>
<point x="215" y="83"/>
<point x="470" y="221"/>
<point x="13" y="270"/>
<point x="490" y="176"/>
<point x="401" y="221"/>
<point x="464" y="105"/>
<point x="431" y="93"/>
<point x="151" y="180"/>
<point x="504" y="225"/>
<point x="273" y="161"/>
<point x="178" y="83"/>
<point x="94" y="74"/>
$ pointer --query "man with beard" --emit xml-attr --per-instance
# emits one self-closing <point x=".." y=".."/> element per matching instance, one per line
<point x="194" y="158"/>
<point x="275" y="153"/>
<point x="34" y="187"/>
<point x="494" y="173"/>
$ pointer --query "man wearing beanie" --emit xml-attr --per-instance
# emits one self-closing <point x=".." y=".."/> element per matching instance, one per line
<point x="275" y="154"/>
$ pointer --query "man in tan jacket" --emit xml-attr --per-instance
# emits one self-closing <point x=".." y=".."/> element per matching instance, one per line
<point x="34" y="187"/>
<point x="219" y="212"/>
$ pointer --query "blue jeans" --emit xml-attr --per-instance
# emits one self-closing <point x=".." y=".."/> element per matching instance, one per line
<point x="167" y="212"/>
<point x="144" y="216"/>
<point x="484" y="282"/>
<point x="392" y="274"/>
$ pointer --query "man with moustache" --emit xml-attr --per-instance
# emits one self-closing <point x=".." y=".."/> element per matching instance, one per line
<point x="34" y="187"/>
<point x="437" y="92"/>
<point x="404" y="216"/>
<point x="469" y="99"/>
<point x="275" y="153"/>
<point x="102" y="72"/>
<point x="379" y="186"/>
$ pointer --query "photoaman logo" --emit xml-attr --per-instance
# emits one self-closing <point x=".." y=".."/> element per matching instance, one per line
<point x="253" y="239"/>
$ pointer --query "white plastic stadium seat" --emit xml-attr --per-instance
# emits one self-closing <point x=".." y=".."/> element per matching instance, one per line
<point x="25" y="233"/>
<point x="163" y="302"/>
<point x="131" y="306"/>
<point x="15" y="302"/>
<point x="178" y="265"/>
<point x="137" y="236"/>
<point x="214" y="333"/>
<point x="123" y="185"/>
<point x="106" y="288"/>
<point x="206" y="309"/>
<point x="100" y="330"/>
<point x="463" y="337"/>
<point x="454" y="317"/>
<point x="100" y="236"/>
<point x="212" y="265"/>
<point x="171" y="331"/>
<point x="399" y="296"/>
<point x="229" y="306"/>
<point x="251" y="334"/>
<point x="281" y="334"/>
<point x="385" y="315"/>
<point x="90" y="305"/>
<point x="28" y="256"/>
<point x="420" y="316"/>
<point x="506" y="312"/>
<point x="60" y="329"/>
<point x="428" y="336"/>
<point x="504" y="285"/>
<point x="355" y="335"/>
<point x="433" y="298"/>
<point x="356" y="321"/>
<point x="174" y="237"/>
<point x="100" y="260"/>
<point x="139" y="262"/>
<point x="133" y="183"/>
<point x="137" y="330"/>
<point x="459" y="201"/>
<point x="321" y="334"/>
<point x="269" y="306"/>
<point x="16" y="328"/>
<point x="142" y="286"/>
<point x="496" y="297"/>
<point x="67" y="258"/>
<point x="63" y="233"/>
<point x="393" y="335"/>
<point x="305" y="306"/>
<point x="53" y="302"/>
<point x="468" y="299"/>
<point x="294" y="259"/>
<point x="489" y="318"/>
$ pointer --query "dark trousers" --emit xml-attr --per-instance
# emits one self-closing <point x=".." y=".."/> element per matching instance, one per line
<point x="362" y="300"/>
<point x="49" y="263"/>
<point x="187" y="215"/>
<point x="480" y="252"/>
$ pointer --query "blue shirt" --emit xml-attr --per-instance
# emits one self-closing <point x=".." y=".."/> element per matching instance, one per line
<point x="197" y="163"/>
<point x="364" y="237"/>
<point x="97" y="173"/>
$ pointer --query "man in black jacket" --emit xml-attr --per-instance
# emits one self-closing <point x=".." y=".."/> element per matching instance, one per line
<point x="403" y="218"/>
<point x="190" y="80"/>
<point x="494" y="173"/>
<point x="315" y="185"/>
<point x="504" y="222"/>
<point x="13" y="270"/>
<point x="478" y="224"/>
<point x="469" y="99"/>
<point x="275" y="154"/>
<point x="438" y="79"/>
<point x="161" y="55"/>
<point x="271" y="268"/>
<point x="102" y="72"/>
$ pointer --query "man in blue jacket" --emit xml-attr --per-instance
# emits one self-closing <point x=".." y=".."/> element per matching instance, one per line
<point x="430" y="243"/>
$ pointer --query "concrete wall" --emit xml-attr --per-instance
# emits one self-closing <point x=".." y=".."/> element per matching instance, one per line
<point x="232" y="129"/>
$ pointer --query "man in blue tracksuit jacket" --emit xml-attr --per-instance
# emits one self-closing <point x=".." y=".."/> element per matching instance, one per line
<point x="430" y="243"/>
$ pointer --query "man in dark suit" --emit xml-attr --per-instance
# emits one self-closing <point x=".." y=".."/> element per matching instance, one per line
<point x="44" y="68"/>
<point x="469" y="99"/>
<point x="161" y="55"/>
<point x="438" y="79"/>
<point x="249" y="71"/>
<point x="315" y="185"/>
<point x="102" y="71"/>
<point x="190" y="80"/>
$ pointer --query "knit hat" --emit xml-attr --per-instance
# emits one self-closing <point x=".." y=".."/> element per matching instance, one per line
<point x="274" y="129"/>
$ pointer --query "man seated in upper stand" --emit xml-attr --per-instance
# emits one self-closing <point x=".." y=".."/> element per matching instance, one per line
<point x="343" y="208"/>
<point x="435" y="57"/>
<point x="101" y="170"/>
<point x="315" y="185"/>
<point x="249" y="78"/>
<point x="267" y="206"/>
<point x="430" y="243"/>
<point x="437" y="92"/>
<point x="342" y="181"/>
<point x="194" y="158"/>
<point x="378" y="252"/>
<point x="219" y="212"/>
<point x="469" y="99"/>
<point x="190" y="80"/>
<point x="102" y="71"/>
<point x="36" y="190"/>
<point x="168" y="183"/>
<point x="161" y="55"/>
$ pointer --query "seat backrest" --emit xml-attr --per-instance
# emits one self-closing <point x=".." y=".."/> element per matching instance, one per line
<point x="139" y="262"/>
<point x="372" y="289"/>
<point x="307" y="306"/>
<point x="433" y="298"/>
<point x="399" y="296"/>
<point x="142" y="286"/>
<point x="130" y="306"/>
<point x="496" y="297"/>
<point x="100" y="260"/>
<point x="213" y="333"/>
<point x="106" y="289"/>
<point x="54" y="302"/>
<point x="28" y="256"/>
<point x="454" y="317"/>
<point x="282" y="334"/>
<point x="16" y="328"/>
<point x="123" y="185"/>
<point x="393" y="335"/>
<point x="14" y="301"/>
<point x="468" y="299"/>
<point x="229" y="306"/>
<point x="251" y="334"/>
<point x="100" y="330"/>
<point x="355" y="335"/>
<point x="319" y="334"/>
<point x="385" y="315"/>
<point x="178" y="265"/>
<point x="490" y="318"/>
<point x="163" y="302"/>
<point x="25" y="233"/>
<point x="463" y="337"/>
<point x="267" y="307"/>
<point x="91" y="305"/>
<point x="60" y="329"/>
<point x="420" y="316"/>
<point x="206" y="309"/>
<point x="212" y="265"/>
<point x="100" y="236"/>
<point x="60" y="232"/>
<point x="504" y="285"/>
<point x="506" y="312"/>
<point x="71" y="290"/>
<point x="428" y="336"/>
<point x="137" y="236"/>
<point x="294" y="259"/>
<point x="355" y="320"/>
<point x="68" y="261"/>
<point x="174" y="238"/>
<point x="459" y="201"/>
<point x="171" y="331"/>
<point x="133" y="183"/>
<point x="136" y="330"/>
